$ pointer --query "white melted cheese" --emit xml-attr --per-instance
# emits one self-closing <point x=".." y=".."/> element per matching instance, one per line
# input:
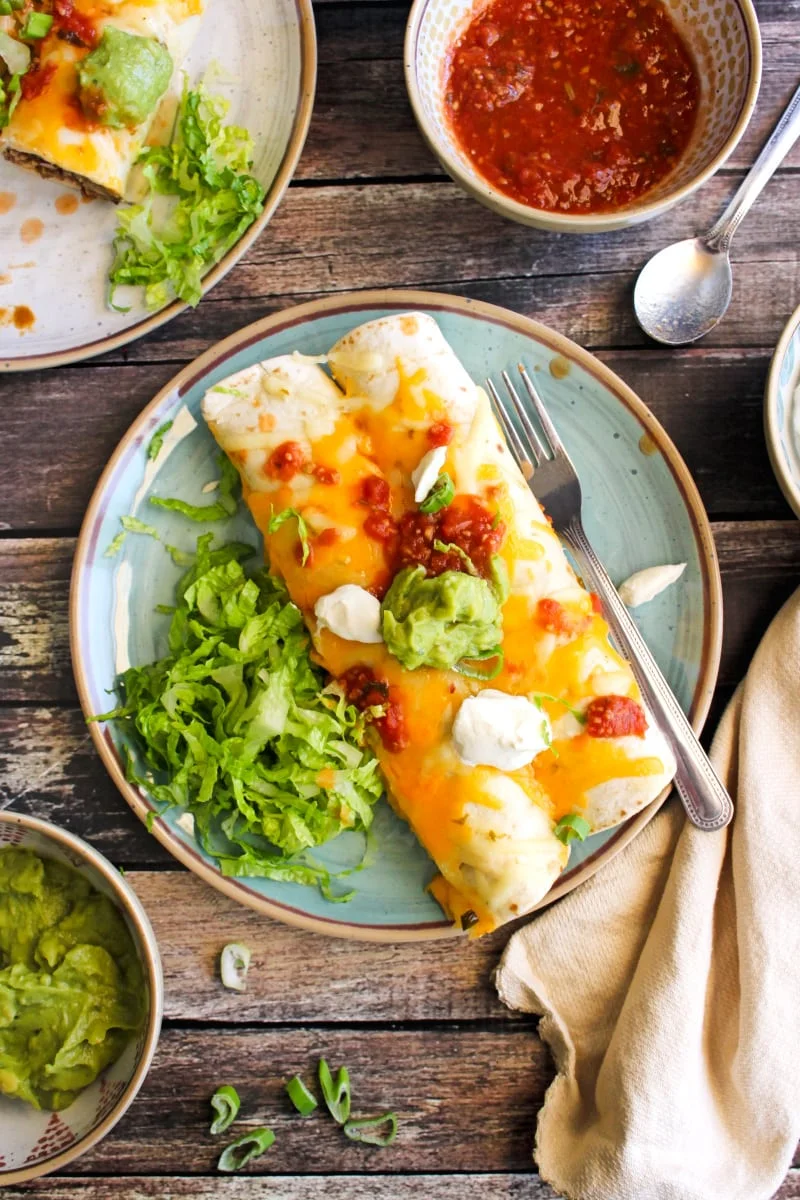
<point x="644" y="586"/>
<point x="495" y="729"/>
<point x="352" y="613"/>
<point x="424" y="476"/>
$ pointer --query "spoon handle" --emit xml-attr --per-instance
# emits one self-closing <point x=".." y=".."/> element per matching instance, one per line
<point x="783" y="137"/>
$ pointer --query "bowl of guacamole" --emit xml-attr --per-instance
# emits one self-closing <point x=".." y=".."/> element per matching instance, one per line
<point x="81" y="997"/>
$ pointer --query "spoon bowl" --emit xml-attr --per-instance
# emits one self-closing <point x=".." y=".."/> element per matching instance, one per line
<point x="683" y="292"/>
<point x="685" y="289"/>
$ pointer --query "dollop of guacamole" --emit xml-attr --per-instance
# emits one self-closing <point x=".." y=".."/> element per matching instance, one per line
<point x="436" y="622"/>
<point x="72" y="992"/>
<point x="123" y="78"/>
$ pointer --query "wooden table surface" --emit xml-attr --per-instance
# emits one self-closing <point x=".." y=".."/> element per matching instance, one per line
<point x="419" y="1026"/>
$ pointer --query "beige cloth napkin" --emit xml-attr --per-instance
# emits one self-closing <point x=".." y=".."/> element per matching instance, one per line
<point x="670" y="983"/>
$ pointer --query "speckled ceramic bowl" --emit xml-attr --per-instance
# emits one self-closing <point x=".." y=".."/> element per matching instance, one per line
<point x="35" y="1143"/>
<point x="724" y="38"/>
<point x="782" y="412"/>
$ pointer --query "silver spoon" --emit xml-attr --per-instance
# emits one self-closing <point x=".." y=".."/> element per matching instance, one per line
<point x="685" y="289"/>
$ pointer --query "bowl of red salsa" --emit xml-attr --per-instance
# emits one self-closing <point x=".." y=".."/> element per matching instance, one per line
<point x="582" y="115"/>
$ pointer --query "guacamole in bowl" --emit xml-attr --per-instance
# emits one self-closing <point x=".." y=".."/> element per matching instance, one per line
<point x="81" y="997"/>
<point x="72" y="989"/>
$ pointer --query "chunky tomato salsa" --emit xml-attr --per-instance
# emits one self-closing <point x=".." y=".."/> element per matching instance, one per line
<point x="572" y="105"/>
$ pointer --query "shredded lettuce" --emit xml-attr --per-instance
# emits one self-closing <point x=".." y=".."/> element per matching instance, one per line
<point x="237" y="726"/>
<point x="220" y="510"/>
<point x="212" y="201"/>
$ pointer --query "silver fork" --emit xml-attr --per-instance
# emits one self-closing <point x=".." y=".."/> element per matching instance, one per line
<point x="553" y="479"/>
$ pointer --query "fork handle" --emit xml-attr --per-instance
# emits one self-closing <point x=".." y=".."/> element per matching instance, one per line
<point x="706" y="801"/>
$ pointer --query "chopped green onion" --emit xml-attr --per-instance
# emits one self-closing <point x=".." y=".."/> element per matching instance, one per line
<point x="300" y="1096"/>
<point x="134" y="525"/>
<point x="440" y="495"/>
<point x="367" y="1129"/>
<point x="225" y="1103"/>
<point x="250" y="1145"/>
<point x="469" y="672"/>
<point x="233" y="966"/>
<point x="452" y="548"/>
<point x="157" y="440"/>
<point x="37" y="25"/>
<point x="335" y="1092"/>
<point x="115" y="545"/>
<point x="278" y="519"/>
<point x="572" y="828"/>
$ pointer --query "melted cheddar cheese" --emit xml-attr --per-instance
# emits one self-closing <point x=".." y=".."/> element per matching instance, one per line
<point x="489" y="832"/>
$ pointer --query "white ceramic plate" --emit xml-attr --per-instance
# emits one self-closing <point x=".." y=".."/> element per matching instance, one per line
<point x="266" y="50"/>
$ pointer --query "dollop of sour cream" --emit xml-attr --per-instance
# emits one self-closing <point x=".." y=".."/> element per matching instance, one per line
<point x="424" y="476"/>
<point x="494" y="729"/>
<point x="352" y="613"/>
<point x="643" y="586"/>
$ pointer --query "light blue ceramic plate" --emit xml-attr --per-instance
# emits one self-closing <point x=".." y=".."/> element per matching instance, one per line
<point x="782" y="412"/>
<point x="641" y="509"/>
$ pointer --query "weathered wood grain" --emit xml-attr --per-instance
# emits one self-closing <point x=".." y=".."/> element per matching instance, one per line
<point x="399" y="983"/>
<point x="345" y="237"/>
<point x="466" y="1099"/>
<point x="283" y="1187"/>
<point x="710" y="401"/>
<point x="517" y="1186"/>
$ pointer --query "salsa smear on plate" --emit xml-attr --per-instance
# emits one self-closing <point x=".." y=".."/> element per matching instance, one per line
<point x="572" y="105"/>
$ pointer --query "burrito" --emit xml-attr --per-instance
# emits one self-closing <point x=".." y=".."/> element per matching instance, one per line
<point x="82" y="84"/>
<point x="439" y="598"/>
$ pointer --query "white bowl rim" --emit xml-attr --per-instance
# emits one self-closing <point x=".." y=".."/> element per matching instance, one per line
<point x="601" y="222"/>
<point x="151" y="962"/>
<point x="789" y="485"/>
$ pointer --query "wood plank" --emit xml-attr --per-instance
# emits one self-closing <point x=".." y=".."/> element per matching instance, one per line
<point x="342" y="237"/>
<point x="428" y="1076"/>
<point x="709" y="400"/>
<point x="436" y="232"/>
<point x="363" y="126"/>
<point x="401" y="979"/>
<point x="50" y="769"/>
<point x="517" y="1186"/>
<point x="288" y="1187"/>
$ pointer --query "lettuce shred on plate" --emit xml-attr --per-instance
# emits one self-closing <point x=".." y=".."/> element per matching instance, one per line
<point x="238" y="728"/>
<point x="213" y="199"/>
